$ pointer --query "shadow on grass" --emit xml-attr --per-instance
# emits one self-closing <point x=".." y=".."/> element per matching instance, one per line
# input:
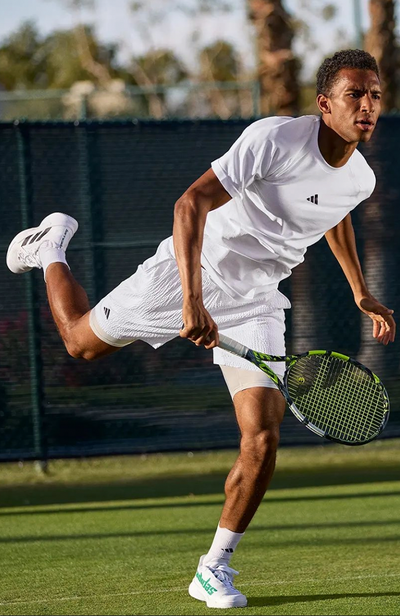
<point x="284" y="600"/>
<point x="283" y="543"/>
<point x="56" y="492"/>
<point x="110" y="506"/>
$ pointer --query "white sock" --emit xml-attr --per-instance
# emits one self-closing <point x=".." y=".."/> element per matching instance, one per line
<point x="223" y="545"/>
<point x="51" y="254"/>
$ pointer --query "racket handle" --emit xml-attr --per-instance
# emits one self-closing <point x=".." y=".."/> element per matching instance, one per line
<point x="232" y="346"/>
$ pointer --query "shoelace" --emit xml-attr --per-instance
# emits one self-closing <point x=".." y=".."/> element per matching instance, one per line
<point x="224" y="573"/>
<point x="31" y="258"/>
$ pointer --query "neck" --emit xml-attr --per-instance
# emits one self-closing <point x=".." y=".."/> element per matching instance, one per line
<point x="334" y="149"/>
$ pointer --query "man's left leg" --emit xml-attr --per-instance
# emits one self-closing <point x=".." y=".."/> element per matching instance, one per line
<point x="44" y="247"/>
<point x="259" y="412"/>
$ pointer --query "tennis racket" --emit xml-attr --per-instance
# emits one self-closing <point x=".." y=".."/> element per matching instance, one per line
<point x="333" y="395"/>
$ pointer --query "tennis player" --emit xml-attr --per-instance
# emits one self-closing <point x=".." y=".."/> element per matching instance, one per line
<point x="238" y="231"/>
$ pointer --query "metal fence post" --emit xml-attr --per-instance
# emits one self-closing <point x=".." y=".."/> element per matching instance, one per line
<point x="256" y="92"/>
<point x="83" y="107"/>
<point x="359" y="38"/>
<point x="87" y="211"/>
<point x="34" y="326"/>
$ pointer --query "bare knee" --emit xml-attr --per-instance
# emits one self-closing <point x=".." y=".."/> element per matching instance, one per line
<point x="82" y="343"/>
<point x="260" y="448"/>
<point x="259" y="412"/>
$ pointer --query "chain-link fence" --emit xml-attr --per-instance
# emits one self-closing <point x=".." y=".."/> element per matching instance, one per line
<point x="86" y="101"/>
<point x="121" y="180"/>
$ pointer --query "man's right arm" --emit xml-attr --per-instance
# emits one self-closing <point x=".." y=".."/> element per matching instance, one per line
<point x="190" y="214"/>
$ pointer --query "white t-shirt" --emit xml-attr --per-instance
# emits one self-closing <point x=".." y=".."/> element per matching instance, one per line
<point x="285" y="197"/>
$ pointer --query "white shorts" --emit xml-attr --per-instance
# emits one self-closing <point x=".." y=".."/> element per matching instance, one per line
<point x="148" y="307"/>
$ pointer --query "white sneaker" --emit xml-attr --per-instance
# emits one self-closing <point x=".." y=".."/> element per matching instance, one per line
<point x="23" y="252"/>
<point x="213" y="583"/>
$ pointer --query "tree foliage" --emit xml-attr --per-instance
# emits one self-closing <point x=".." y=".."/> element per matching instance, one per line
<point x="158" y="66"/>
<point x="28" y="61"/>
<point x="219" y="62"/>
<point x="22" y="65"/>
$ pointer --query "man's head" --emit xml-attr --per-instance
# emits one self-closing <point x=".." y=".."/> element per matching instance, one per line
<point x="348" y="94"/>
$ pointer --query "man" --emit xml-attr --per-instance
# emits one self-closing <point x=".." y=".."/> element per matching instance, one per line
<point x="238" y="231"/>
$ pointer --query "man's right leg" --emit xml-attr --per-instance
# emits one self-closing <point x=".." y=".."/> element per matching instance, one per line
<point x="259" y="412"/>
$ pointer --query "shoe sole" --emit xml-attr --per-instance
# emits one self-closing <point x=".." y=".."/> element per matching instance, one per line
<point x="52" y="220"/>
<point x="196" y="593"/>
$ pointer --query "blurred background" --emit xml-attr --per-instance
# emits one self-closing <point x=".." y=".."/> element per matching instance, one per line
<point x="108" y="111"/>
<point x="160" y="59"/>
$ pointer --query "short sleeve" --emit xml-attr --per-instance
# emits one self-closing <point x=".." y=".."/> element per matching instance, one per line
<point x="249" y="158"/>
<point x="365" y="177"/>
<point x="372" y="184"/>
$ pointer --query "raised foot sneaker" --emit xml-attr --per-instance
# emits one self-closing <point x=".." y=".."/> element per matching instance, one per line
<point x="213" y="583"/>
<point x="23" y="252"/>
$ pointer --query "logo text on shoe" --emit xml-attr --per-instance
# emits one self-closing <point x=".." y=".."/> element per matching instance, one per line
<point x="63" y="238"/>
<point x="206" y="584"/>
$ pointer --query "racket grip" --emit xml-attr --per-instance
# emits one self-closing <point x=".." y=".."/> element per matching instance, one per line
<point x="232" y="346"/>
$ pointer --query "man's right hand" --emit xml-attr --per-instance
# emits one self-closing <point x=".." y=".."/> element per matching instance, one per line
<point x="198" y="326"/>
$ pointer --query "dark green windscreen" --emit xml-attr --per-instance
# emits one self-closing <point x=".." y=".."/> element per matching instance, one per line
<point x="121" y="180"/>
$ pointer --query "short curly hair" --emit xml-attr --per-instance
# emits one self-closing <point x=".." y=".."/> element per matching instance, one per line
<point x="348" y="58"/>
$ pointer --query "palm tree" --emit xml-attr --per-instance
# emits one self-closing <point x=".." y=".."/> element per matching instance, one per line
<point x="380" y="42"/>
<point x="377" y="222"/>
<point x="277" y="66"/>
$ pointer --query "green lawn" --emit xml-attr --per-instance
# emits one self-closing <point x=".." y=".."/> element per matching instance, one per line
<point x="123" y="535"/>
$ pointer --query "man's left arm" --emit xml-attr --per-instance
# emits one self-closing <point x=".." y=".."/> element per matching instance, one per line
<point x="341" y="240"/>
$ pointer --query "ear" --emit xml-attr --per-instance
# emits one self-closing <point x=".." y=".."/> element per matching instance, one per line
<point x="323" y="103"/>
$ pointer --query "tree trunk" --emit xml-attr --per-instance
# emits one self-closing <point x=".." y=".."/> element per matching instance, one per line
<point x="380" y="42"/>
<point x="277" y="66"/>
<point x="379" y="232"/>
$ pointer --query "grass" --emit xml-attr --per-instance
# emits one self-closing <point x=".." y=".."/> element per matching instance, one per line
<point x="123" y="535"/>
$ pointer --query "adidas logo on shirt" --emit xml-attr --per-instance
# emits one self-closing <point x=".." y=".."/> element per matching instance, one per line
<point x="313" y="199"/>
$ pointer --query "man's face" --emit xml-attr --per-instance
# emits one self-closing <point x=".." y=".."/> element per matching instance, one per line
<point x="354" y="104"/>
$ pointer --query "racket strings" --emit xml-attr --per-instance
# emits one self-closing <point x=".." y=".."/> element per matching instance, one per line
<point x="337" y="397"/>
<point x="347" y="403"/>
<point x="334" y="419"/>
<point x="336" y="414"/>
